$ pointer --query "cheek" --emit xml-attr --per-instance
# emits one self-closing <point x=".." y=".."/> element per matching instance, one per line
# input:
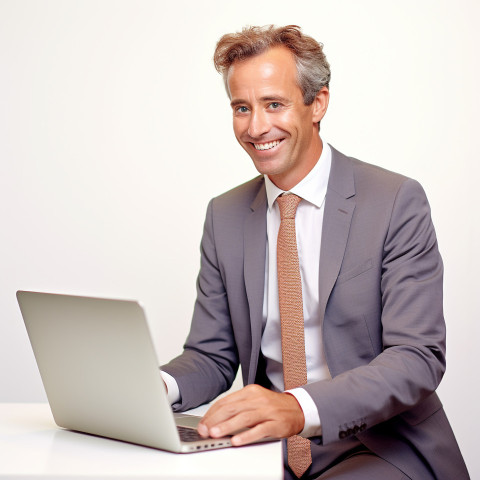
<point x="292" y="121"/>
<point x="240" y="126"/>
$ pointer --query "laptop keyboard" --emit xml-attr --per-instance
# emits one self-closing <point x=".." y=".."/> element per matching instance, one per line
<point x="188" y="434"/>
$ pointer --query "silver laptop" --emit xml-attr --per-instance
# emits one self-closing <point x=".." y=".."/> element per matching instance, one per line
<point x="100" y="371"/>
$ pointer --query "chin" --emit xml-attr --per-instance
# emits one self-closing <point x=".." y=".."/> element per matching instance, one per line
<point x="267" y="169"/>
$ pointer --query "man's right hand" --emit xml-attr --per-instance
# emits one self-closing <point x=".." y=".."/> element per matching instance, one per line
<point x="265" y="413"/>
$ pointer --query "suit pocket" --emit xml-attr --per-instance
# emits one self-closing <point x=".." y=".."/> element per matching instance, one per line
<point x="355" y="271"/>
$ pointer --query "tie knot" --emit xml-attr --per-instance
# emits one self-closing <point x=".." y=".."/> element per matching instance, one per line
<point x="288" y="204"/>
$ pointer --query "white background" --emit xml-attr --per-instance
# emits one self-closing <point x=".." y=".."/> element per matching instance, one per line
<point x="110" y="109"/>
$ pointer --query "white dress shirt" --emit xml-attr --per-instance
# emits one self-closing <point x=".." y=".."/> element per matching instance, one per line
<point x="308" y="223"/>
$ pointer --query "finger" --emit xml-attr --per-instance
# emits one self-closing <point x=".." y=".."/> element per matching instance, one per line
<point x="202" y="430"/>
<point x="228" y="406"/>
<point x="214" y="416"/>
<point x="252" y="435"/>
<point x="219" y="413"/>
<point x="227" y="419"/>
<point x="237" y="423"/>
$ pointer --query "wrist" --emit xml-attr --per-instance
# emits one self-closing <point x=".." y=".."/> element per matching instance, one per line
<point x="299" y="416"/>
<point x="312" y="426"/>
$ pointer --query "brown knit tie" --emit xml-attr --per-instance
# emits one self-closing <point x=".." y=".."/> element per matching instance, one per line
<point x="291" y="320"/>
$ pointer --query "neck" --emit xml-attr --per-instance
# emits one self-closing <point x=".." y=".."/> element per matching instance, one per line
<point x="288" y="180"/>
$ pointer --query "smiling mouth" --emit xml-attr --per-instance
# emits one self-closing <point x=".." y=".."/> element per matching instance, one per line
<point x="266" y="146"/>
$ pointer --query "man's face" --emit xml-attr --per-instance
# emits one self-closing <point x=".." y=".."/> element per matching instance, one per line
<point x="270" y="120"/>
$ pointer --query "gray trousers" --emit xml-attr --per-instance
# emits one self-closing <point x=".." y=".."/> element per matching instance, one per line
<point x="350" y="461"/>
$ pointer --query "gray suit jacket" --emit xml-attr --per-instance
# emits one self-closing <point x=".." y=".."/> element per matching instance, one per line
<point x="381" y="281"/>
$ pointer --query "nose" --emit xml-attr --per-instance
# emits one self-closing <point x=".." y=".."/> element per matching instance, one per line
<point x="259" y="124"/>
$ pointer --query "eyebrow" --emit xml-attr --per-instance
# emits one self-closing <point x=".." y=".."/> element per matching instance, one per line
<point x="268" y="98"/>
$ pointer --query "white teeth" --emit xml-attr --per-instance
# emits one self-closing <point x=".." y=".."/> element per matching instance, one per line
<point x="266" y="146"/>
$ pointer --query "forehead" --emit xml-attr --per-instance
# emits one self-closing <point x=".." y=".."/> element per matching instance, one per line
<point x="272" y="69"/>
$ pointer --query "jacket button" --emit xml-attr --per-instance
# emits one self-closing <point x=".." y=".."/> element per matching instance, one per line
<point x="342" y="434"/>
<point x="363" y="426"/>
<point x="356" y="429"/>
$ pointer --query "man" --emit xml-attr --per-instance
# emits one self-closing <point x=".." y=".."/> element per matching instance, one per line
<point x="363" y="274"/>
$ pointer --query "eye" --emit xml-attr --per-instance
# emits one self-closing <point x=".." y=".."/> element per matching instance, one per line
<point x="274" y="105"/>
<point x="241" y="109"/>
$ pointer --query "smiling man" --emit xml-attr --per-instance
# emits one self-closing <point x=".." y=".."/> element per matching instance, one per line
<point x="270" y="119"/>
<point x="322" y="279"/>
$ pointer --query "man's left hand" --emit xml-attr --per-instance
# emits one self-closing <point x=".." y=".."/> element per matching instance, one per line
<point x="266" y="414"/>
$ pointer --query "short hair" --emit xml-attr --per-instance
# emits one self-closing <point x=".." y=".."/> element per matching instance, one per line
<point x="313" y="70"/>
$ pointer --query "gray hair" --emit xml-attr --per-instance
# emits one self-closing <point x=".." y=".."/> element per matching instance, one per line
<point x="313" y="70"/>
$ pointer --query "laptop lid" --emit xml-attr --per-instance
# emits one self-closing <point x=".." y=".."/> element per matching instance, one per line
<point x="99" y="368"/>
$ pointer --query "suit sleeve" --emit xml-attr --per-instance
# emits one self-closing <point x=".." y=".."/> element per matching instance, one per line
<point x="209" y="362"/>
<point x="412" y="362"/>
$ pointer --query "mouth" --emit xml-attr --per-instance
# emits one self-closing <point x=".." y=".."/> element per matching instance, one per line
<point x="267" y="145"/>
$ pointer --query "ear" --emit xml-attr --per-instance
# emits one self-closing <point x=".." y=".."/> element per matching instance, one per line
<point x="320" y="104"/>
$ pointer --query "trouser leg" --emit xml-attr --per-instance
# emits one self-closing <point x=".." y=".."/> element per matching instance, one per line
<point x="363" y="466"/>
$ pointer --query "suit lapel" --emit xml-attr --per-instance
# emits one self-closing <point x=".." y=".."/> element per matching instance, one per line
<point x="255" y="239"/>
<point x="339" y="208"/>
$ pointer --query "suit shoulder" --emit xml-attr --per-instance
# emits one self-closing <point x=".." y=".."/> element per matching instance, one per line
<point x="370" y="172"/>
<point x="369" y="177"/>
<point x="241" y="196"/>
<point x="374" y="180"/>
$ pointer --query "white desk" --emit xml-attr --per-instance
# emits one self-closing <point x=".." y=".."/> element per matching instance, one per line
<point x="32" y="447"/>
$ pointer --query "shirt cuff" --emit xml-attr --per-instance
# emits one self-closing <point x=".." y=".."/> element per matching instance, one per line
<point x="313" y="426"/>
<point x="173" y="394"/>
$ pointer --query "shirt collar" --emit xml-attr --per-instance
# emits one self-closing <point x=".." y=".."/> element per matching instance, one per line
<point x="313" y="187"/>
